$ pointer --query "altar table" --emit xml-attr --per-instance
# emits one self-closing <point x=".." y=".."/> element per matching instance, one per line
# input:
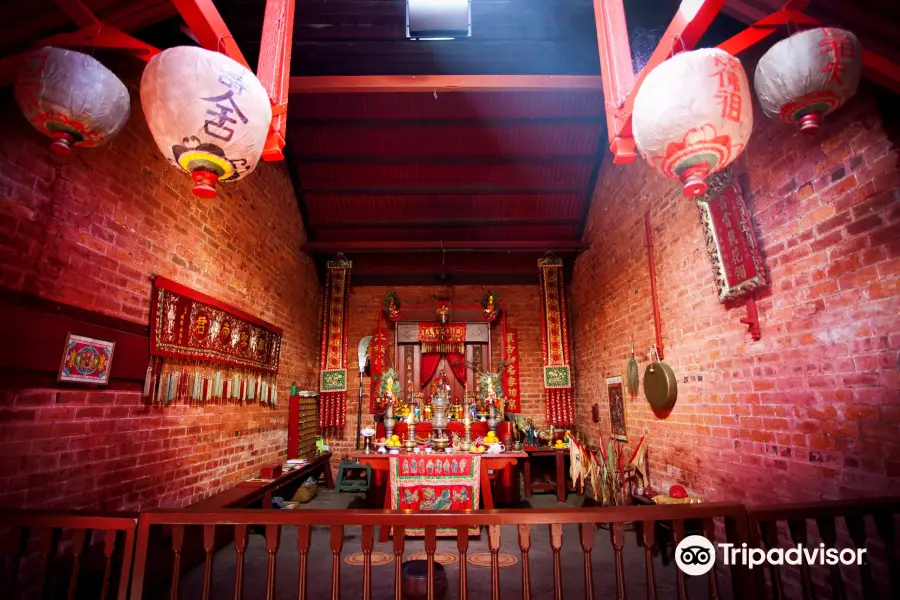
<point x="558" y="470"/>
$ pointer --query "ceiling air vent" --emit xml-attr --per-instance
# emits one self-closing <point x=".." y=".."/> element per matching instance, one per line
<point x="438" y="19"/>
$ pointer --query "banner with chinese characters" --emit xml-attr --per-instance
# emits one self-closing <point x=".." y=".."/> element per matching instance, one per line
<point x="730" y="241"/>
<point x="205" y="350"/>
<point x="377" y="357"/>
<point x="333" y="389"/>
<point x="449" y="482"/>
<point x="444" y="339"/>
<point x="555" y="342"/>
<point x="511" y="388"/>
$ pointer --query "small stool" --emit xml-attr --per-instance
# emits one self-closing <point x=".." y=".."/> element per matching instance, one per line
<point x="349" y="477"/>
<point x="415" y="580"/>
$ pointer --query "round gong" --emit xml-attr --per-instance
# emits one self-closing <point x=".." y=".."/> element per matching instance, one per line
<point x="660" y="386"/>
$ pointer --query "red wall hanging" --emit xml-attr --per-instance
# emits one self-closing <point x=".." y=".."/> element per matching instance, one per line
<point x="555" y="341"/>
<point x="333" y="388"/>
<point x="511" y="388"/>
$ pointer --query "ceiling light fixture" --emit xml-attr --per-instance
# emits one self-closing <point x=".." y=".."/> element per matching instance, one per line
<point x="435" y="20"/>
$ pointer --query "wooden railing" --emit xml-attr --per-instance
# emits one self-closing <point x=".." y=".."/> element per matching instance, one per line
<point x="733" y="517"/>
<point x="831" y="519"/>
<point x="60" y="547"/>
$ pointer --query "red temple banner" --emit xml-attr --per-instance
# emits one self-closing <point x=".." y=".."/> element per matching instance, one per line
<point x="444" y="339"/>
<point x="449" y="482"/>
<point x="555" y="340"/>
<point x="377" y="355"/>
<point x="511" y="388"/>
<point x="204" y="350"/>
<point x="333" y="388"/>
<point x="730" y="241"/>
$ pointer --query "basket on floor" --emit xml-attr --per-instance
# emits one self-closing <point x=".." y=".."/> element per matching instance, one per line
<point x="305" y="492"/>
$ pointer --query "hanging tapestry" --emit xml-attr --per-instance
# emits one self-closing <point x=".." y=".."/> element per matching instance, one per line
<point x="444" y="339"/>
<point x="86" y="360"/>
<point x="730" y="241"/>
<point x="377" y="356"/>
<point x="435" y="483"/>
<point x="206" y="350"/>
<point x="511" y="387"/>
<point x="555" y="342"/>
<point x="616" y="409"/>
<point x="333" y="389"/>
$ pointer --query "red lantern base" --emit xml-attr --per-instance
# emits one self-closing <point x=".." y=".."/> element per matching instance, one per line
<point x="204" y="184"/>
<point x="693" y="180"/>
<point x="809" y="124"/>
<point x="62" y="143"/>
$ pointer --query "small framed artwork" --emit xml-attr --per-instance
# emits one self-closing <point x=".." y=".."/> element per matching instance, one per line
<point x="86" y="360"/>
<point x="616" y="408"/>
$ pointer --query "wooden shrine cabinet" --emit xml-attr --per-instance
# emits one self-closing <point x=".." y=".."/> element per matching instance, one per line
<point x="302" y="420"/>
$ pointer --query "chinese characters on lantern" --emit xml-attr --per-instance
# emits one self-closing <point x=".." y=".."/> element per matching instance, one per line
<point x="729" y="86"/>
<point x="218" y="126"/>
<point x="840" y="46"/>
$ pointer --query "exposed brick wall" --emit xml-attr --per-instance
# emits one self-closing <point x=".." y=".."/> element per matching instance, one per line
<point x="86" y="230"/>
<point x="809" y="411"/>
<point x="523" y="304"/>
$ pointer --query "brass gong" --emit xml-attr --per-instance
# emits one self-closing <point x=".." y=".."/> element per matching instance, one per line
<point x="660" y="385"/>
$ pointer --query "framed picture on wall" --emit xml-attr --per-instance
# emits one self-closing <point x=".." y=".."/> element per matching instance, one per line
<point x="616" y="408"/>
<point x="86" y="360"/>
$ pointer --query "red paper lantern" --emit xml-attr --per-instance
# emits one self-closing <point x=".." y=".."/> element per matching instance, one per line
<point x="71" y="98"/>
<point x="809" y="75"/>
<point x="208" y="114"/>
<point x="693" y="116"/>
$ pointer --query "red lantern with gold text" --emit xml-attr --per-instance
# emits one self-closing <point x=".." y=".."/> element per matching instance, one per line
<point x="71" y="98"/>
<point x="692" y="116"/>
<point x="808" y="75"/>
<point x="208" y="114"/>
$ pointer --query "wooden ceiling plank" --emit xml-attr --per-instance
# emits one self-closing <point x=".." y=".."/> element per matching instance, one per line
<point x="370" y="247"/>
<point x="469" y="159"/>
<point x="444" y="223"/>
<point x="78" y="12"/>
<point x="413" y="122"/>
<point x="453" y="191"/>
<point x="442" y="83"/>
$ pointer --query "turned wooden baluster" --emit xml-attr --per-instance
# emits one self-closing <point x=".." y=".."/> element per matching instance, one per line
<point x="829" y="536"/>
<point x="494" y="546"/>
<point x="304" y="535"/>
<point x="678" y="529"/>
<point x="109" y="547"/>
<point x="430" y="547"/>
<point x="240" y="547"/>
<point x="884" y="524"/>
<point x="587" y="544"/>
<point x="709" y="530"/>
<point x="78" y="537"/>
<point x="462" y="544"/>
<point x="177" y="545"/>
<point x="524" y="547"/>
<point x="209" y="544"/>
<point x="273" y="539"/>
<point x="769" y="531"/>
<point x="856" y="525"/>
<point x="797" y="528"/>
<point x="14" y="547"/>
<point x="617" y="536"/>
<point x="648" y="530"/>
<point x="367" y="541"/>
<point x="399" y="538"/>
<point x="556" y="546"/>
<point x="48" y="538"/>
<point x="337" y="544"/>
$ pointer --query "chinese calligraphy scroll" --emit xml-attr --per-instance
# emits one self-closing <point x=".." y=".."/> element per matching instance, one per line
<point x="737" y="266"/>
<point x="206" y="350"/>
<point x="555" y="341"/>
<point x="377" y="356"/>
<point x="333" y="390"/>
<point x="511" y="389"/>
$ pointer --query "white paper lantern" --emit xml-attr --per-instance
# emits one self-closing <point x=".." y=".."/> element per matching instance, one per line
<point x="809" y="75"/>
<point x="208" y="114"/>
<point x="71" y="98"/>
<point x="693" y="116"/>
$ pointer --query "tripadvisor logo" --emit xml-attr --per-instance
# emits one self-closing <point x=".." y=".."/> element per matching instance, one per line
<point x="696" y="555"/>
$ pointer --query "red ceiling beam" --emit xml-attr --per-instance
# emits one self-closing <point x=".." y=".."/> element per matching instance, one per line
<point x="683" y="33"/>
<point x="102" y="36"/>
<point x="443" y="83"/>
<point x="274" y="70"/>
<point x="210" y="30"/>
<point x="439" y="246"/>
<point x="764" y="28"/>
<point x="78" y="12"/>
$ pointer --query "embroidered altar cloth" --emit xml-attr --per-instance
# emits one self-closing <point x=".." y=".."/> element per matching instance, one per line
<point x="435" y="482"/>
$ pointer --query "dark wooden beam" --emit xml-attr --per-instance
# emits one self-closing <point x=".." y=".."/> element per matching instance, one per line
<point x="300" y="121"/>
<point x="437" y="277"/>
<point x="470" y="190"/>
<point x="439" y="246"/>
<point x="444" y="223"/>
<point x="440" y="160"/>
<point x="443" y="83"/>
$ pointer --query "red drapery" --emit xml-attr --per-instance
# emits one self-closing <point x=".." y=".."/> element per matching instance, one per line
<point x="458" y="366"/>
<point x="431" y="360"/>
<point x="429" y="366"/>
